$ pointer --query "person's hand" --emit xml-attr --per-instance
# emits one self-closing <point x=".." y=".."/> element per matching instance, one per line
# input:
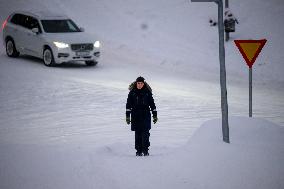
<point x="155" y="119"/>
<point x="128" y="120"/>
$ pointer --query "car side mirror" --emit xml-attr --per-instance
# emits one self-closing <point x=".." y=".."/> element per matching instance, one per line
<point x="35" y="30"/>
<point x="82" y="29"/>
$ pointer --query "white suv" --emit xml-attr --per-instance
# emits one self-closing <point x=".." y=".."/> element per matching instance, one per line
<point x="54" y="38"/>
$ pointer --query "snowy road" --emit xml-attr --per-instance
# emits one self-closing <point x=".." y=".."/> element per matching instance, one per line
<point x="78" y="104"/>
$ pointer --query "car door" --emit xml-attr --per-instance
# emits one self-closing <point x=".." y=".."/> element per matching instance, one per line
<point x="27" y="36"/>
<point x="34" y="41"/>
<point x="15" y="30"/>
<point x="22" y="33"/>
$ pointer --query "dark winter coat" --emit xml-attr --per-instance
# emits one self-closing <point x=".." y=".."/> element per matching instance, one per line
<point x="139" y="104"/>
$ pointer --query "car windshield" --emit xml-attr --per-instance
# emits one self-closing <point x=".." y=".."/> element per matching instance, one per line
<point x="59" y="26"/>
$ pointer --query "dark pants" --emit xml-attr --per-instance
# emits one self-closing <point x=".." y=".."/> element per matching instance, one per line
<point x="142" y="142"/>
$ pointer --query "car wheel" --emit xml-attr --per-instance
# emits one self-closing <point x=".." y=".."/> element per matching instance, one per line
<point x="48" y="58"/>
<point x="11" y="50"/>
<point x="91" y="63"/>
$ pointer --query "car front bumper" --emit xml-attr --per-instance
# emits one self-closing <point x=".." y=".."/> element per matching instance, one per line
<point x="68" y="55"/>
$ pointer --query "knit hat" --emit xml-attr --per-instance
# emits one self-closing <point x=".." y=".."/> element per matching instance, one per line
<point x="140" y="79"/>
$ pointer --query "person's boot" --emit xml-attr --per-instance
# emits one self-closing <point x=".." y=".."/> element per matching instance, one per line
<point x="138" y="153"/>
<point x="146" y="153"/>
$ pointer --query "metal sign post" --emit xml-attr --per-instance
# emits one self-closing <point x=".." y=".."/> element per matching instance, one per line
<point x="250" y="92"/>
<point x="224" y="103"/>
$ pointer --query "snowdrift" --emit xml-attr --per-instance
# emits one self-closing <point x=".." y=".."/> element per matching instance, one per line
<point x="253" y="160"/>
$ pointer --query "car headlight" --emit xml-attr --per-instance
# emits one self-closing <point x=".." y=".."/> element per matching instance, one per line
<point x="97" y="44"/>
<point x="60" y="45"/>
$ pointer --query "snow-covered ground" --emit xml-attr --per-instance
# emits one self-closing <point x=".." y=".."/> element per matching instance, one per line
<point x="252" y="160"/>
<point x="64" y="127"/>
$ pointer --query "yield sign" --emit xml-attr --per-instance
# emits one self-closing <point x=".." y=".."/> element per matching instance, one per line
<point x="250" y="49"/>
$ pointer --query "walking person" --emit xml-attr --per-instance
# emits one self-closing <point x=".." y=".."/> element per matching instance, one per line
<point x="139" y="104"/>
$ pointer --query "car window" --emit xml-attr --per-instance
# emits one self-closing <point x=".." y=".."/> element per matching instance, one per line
<point x="18" y="19"/>
<point x="27" y="22"/>
<point x="21" y="20"/>
<point x="71" y="26"/>
<point x="59" y="26"/>
<point x="15" y="19"/>
<point x="33" y="23"/>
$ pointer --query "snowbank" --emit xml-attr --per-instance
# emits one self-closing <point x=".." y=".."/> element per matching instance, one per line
<point x="253" y="160"/>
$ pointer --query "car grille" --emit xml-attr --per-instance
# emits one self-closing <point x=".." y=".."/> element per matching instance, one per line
<point x="82" y="47"/>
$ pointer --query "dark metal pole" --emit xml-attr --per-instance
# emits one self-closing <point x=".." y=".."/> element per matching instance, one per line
<point x="227" y="33"/>
<point x="226" y="3"/>
<point x="224" y="103"/>
<point x="227" y="36"/>
<point x="250" y="92"/>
